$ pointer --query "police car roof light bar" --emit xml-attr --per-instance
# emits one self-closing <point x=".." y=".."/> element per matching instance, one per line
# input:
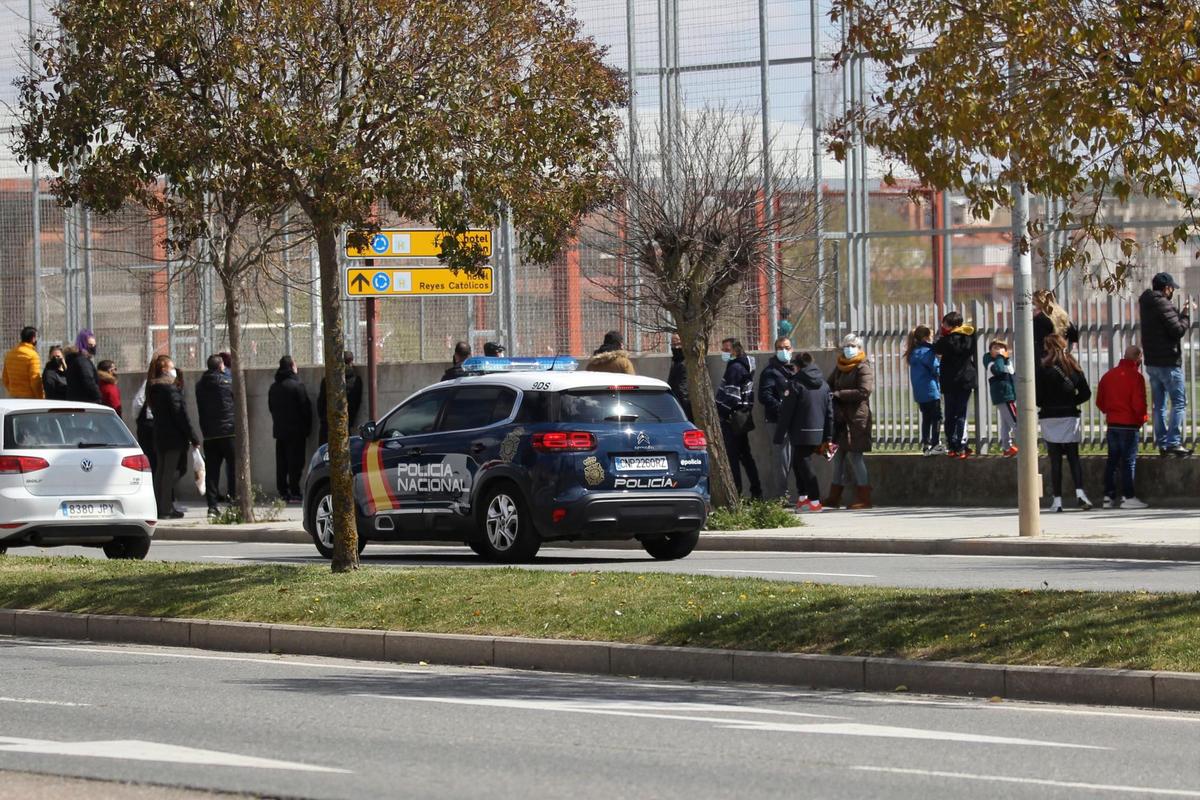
<point x="493" y="364"/>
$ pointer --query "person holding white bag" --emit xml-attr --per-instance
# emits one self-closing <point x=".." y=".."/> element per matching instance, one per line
<point x="173" y="432"/>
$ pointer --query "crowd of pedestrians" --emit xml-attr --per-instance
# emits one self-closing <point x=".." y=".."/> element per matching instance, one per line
<point x="809" y="413"/>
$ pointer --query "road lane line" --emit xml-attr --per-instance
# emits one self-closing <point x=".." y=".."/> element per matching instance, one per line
<point x="1091" y="787"/>
<point x="785" y="572"/>
<point x="626" y="709"/>
<point x="137" y="750"/>
<point x="33" y="702"/>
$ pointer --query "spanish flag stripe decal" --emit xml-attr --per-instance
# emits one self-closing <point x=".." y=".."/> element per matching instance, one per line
<point x="378" y="493"/>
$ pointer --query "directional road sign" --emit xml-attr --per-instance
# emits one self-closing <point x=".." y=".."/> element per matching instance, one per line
<point x="415" y="244"/>
<point x="415" y="282"/>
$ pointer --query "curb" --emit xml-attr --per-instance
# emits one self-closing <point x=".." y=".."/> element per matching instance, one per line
<point x="778" y="544"/>
<point x="1148" y="689"/>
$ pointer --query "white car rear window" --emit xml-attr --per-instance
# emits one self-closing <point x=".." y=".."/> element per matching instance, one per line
<point x="69" y="428"/>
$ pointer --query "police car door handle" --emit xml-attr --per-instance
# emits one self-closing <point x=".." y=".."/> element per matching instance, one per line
<point x="478" y="447"/>
<point x="414" y="451"/>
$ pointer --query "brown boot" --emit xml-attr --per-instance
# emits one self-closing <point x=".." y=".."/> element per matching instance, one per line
<point x="834" y="499"/>
<point x="862" y="498"/>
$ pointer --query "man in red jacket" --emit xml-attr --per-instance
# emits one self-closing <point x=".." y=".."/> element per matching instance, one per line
<point x="1121" y="397"/>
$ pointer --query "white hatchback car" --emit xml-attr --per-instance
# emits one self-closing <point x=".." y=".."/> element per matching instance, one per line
<point x="72" y="474"/>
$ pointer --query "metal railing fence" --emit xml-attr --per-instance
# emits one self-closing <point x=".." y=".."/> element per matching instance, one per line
<point x="1106" y="327"/>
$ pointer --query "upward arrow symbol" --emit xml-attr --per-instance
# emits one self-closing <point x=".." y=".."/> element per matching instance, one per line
<point x="359" y="283"/>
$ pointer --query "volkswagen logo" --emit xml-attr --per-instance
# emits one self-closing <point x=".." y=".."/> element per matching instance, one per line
<point x="86" y="465"/>
<point x="642" y="440"/>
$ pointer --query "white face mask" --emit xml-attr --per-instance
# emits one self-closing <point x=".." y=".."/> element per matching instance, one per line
<point x="784" y="355"/>
<point x="171" y="373"/>
<point x="849" y="351"/>
<point x="726" y="356"/>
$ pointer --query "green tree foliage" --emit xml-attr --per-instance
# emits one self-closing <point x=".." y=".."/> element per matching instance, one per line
<point x="1083" y="100"/>
<point x="445" y="111"/>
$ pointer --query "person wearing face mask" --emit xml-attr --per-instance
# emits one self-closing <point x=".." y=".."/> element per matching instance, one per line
<point x="772" y="385"/>
<point x="54" y="376"/>
<point x="23" y="368"/>
<point x="735" y="408"/>
<point x="83" y="384"/>
<point x="851" y="384"/>
<point x="173" y="432"/>
<point x="1121" y="397"/>
<point x="677" y="378"/>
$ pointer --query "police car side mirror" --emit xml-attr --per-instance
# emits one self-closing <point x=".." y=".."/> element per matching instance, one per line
<point x="367" y="431"/>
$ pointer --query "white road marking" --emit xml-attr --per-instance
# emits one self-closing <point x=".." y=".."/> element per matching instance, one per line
<point x="33" y="702"/>
<point x="1091" y="787"/>
<point x="749" y="571"/>
<point x="653" y="711"/>
<point x="1007" y="705"/>
<point x="195" y="657"/>
<point x="135" y="750"/>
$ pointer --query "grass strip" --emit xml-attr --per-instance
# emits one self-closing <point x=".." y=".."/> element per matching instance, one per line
<point x="1087" y="629"/>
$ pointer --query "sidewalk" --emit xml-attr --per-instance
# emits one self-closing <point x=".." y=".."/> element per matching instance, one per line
<point x="1156" y="533"/>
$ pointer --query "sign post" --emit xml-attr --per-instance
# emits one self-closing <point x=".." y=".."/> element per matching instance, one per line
<point x="372" y="355"/>
<point x="370" y="282"/>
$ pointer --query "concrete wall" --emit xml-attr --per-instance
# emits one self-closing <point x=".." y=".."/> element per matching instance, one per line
<point x="898" y="479"/>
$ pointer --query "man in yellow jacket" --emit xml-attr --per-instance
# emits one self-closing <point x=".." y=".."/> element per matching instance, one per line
<point x="23" y="368"/>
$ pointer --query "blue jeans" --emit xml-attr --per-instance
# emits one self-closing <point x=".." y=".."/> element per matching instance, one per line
<point x="1122" y="458"/>
<point x="956" y="401"/>
<point x="1166" y="383"/>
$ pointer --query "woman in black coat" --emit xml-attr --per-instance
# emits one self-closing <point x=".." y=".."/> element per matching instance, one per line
<point x="173" y="432"/>
<point x="83" y="384"/>
<point x="54" y="376"/>
<point x="1061" y="389"/>
<point x="806" y="421"/>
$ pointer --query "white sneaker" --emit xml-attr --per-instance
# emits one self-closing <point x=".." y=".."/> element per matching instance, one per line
<point x="937" y="450"/>
<point x="926" y="451"/>
<point x="1134" y="504"/>
<point x="1082" y="498"/>
<point x="1109" y="502"/>
<point x="1056" y="506"/>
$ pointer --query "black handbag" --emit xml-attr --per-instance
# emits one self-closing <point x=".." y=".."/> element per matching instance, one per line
<point x="742" y="421"/>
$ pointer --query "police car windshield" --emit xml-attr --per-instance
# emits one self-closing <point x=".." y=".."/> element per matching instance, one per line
<point x="619" y="405"/>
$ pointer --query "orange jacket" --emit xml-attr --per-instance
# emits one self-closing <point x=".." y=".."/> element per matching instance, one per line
<point x="23" y="373"/>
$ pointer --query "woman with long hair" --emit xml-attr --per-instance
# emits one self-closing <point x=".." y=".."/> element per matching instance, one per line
<point x="173" y="432"/>
<point x="850" y="385"/>
<point x="1061" y="389"/>
<point x="923" y="372"/>
<point x="1051" y="318"/>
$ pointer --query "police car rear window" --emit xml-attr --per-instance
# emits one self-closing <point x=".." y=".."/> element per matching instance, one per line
<point x="613" y="405"/>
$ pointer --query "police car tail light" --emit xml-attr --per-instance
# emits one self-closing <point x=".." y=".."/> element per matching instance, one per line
<point x="695" y="440"/>
<point x="18" y="465"/>
<point x="564" y="441"/>
<point x="137" y="463"/>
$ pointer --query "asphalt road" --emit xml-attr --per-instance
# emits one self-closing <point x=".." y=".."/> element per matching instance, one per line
<point x="324" y="728"/>
<point x="1016" y="572"/>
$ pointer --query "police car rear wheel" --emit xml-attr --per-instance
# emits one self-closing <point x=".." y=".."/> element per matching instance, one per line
<point x="322" y="525"/>
<point x="672" y="545"/>
<point x="507" y="531"/>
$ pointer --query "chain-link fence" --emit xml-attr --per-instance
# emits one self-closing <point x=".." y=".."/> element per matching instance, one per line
<point x="766" y="60"/>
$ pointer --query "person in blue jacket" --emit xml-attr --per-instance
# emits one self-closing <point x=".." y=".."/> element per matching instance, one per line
<point x="923" y="372"/>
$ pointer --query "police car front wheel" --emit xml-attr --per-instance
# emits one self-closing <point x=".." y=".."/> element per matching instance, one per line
<point x="672" y="545"/>
<point x="322" y="524"/>
<point x="506" y="529"/>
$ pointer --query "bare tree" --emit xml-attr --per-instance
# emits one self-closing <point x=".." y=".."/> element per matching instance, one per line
<point x="244" y="245"/>
<point x="695" y="222"/>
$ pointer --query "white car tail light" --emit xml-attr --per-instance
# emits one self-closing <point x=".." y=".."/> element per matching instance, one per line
<point x="19" y="465"/>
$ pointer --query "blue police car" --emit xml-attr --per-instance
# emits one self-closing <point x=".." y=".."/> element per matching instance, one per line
<point x="520" y="452"/>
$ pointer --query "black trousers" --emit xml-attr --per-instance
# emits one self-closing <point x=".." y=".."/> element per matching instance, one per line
<point x="737" y="447"/>
<point x="218" y="452"/>
<point x="289" y="464"/>
<point x="1056" y="452"/>
<point x="166" y="475"/>
<point x="806" y="479"/>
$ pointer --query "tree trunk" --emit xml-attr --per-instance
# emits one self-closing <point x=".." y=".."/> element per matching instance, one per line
<point x="704" y="409"/>
<point x="345" y="530"/>
<point x="241" y="415"/>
